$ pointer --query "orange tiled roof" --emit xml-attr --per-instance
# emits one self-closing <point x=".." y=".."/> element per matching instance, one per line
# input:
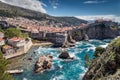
<point x="31" y="25"/>
<point x="1" y="39"/>
<point x="7" y="47"/>
<point x="16" y="39"/>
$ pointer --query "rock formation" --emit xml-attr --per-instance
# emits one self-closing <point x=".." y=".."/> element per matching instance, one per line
<point x="97" y="30"/>
<point x="69" y="41"/>
<point x="67" y="44"/>
<point x="86" y="37"/>
<point x="65" y="55"/>
<point x="43" y="63"/>
<point x="107" y="66"/>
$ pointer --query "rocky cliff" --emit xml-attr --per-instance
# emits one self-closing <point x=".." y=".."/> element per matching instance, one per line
<point x="97" y="30"/>
<point x="107" y="66"/>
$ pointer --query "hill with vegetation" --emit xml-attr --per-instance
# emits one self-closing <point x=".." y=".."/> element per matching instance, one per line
<point x="106" y="65"/>
<point x="7" y="10"/>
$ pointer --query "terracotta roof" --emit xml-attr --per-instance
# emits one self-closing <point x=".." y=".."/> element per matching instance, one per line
<point x="1" y="39"/>
<point x="7" y="47"/>
<point x="35" y="31"/>
<point x="36" y="26"/>
<point x="16" y="39"/>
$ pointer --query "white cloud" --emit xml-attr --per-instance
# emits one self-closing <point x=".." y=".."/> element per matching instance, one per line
<point x="55" y="7"/>
<point x="105" y="17"/>
<point x="54" y="3"/>
<point x="94" y="2"/>
<point x="28" y="4"/>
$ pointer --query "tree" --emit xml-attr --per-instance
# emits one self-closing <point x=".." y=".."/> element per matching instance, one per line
<point x="25" y="35"/>
<point x="99" y="51"/>
<point x="1" y="30"/>
<point x="3" y="68"/>
<point x="13" y="32"/>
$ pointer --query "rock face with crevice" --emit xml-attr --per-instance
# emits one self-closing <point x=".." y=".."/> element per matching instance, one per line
<point x="107" y="66"/>
<point x="43" y="63"/>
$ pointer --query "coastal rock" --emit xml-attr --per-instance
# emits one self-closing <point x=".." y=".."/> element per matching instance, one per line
<point x="86" y="37"/>
<point x="43" y="63"/>
<point x="97" y="30"/>
<point x="106" y="67"/>
<point x="70" y="39"/>
<point x="67" y="44"/>
<point x="65" y="55"/>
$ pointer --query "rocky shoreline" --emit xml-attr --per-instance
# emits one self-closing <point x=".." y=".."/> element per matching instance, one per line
<point x="28" y="64"/>
<point x="98" y="30"/>
<point x="17" y="62"/>
<point x="27" y="58"/>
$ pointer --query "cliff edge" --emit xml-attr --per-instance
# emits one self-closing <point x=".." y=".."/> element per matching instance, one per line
<point x="107" y="66"/>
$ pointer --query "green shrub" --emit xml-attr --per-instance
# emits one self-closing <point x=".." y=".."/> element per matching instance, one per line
<point x="99" y="51"/>
<point x="116" y="42"/>
<point x="13" y="32"/>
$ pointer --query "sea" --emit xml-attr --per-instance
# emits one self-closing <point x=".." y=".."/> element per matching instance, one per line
<point x="61" y="69"/>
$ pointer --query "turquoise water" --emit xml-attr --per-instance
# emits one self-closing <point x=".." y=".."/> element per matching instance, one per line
<point x="62" y="70"/>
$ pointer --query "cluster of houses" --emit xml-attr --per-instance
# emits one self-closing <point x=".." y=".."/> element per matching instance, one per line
<point x="14" y="46"/>
<point x="38" y="30"/>
<point x="35" y="30"/>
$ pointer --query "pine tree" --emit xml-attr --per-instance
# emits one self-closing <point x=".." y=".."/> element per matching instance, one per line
<point x="3" y="68"/>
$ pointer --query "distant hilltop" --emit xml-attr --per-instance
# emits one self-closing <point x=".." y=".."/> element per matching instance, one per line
<point x="7" y="10"/>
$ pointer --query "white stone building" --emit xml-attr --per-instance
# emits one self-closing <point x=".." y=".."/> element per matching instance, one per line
<point x="2" y="41"/>
<point x="16" y="42"/>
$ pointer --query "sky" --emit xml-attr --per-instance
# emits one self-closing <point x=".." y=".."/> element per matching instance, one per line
<point x="82" y="7"/>
<point x="79" y="8"/>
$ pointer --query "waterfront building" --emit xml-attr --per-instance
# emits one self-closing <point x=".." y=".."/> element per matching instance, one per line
<point x="8" y="50"/>
<point x="16" y="41"/>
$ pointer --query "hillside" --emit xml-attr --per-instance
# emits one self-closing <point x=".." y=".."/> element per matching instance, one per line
<point x="7" y="10"/>
<point x="107" y="66"/>
<point x="72" y="20"/>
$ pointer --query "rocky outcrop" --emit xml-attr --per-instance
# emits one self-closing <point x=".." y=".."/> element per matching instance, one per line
<point x="67" y="44"/>
<point x="70" y="39"/>
<point x="86" y="37"/>
<point x="43" y="63"/>
<point x="78" y="34"/>
<point x="106" y="67"/>
<point x="103" y="30"/>
<point x="97" y="30"/>
<point x="65" y="55"/>
<point x="61" y="39"/>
